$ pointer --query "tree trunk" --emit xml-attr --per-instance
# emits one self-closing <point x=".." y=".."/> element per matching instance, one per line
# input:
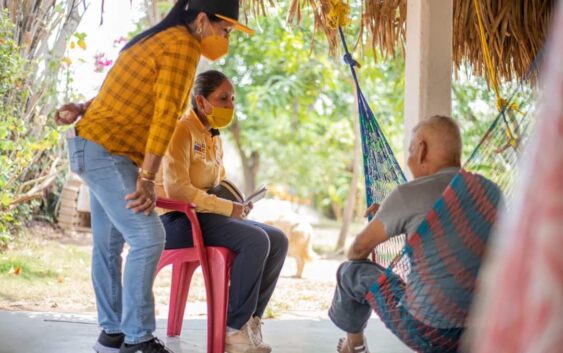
<point x="56" y="54"/>
<point x="155" y="12"/>
<point x="250" y="164"/>
<point x="352" y="192"/>
<point x="151" y="7"/>
<point x="337" y="210"/>
<point x="250" y="170"/>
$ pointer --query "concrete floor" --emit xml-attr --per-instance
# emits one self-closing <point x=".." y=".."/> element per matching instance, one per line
<point x="67" y="333"/>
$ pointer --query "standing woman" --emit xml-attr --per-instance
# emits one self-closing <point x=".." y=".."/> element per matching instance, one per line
<point x="117" y="151"/>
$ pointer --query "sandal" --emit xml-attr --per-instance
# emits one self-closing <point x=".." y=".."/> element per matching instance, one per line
<point x="343" y="344"/>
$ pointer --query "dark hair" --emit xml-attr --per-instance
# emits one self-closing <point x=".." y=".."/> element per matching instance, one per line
<point x="206" y="83"/>
<point x="177" y="16"/>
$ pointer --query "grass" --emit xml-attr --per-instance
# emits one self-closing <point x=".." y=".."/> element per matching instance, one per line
<point x="23" y="270"/>
<point x="39" y="272"/>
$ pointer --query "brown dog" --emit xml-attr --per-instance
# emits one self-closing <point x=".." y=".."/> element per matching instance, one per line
<point x="300" y="237"/>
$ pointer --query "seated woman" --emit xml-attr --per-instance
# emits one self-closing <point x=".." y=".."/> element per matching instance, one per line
<point x="192" y="166"/>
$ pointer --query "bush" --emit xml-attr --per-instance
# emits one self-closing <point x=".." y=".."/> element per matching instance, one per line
<point x="25" y="139"/>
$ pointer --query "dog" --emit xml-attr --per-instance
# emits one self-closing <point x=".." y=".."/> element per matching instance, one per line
<point x="299" y="233"/>
<point x="300" y="238"/>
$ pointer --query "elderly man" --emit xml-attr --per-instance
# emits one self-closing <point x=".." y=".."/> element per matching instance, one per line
<point x="434" y="159"/>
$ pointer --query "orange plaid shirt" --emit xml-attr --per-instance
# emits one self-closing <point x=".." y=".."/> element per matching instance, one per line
<point x="143" y="95"/>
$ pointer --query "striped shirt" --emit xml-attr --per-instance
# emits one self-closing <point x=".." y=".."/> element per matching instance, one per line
<point x="143" y="95"/>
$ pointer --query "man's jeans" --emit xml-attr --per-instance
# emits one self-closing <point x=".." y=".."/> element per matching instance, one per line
<point x="127" y="308"/>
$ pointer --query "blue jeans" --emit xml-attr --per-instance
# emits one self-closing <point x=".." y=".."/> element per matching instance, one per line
<point x="351" y="310"/>
<point x="127" y="307"/>
<point x="260" y="249"/>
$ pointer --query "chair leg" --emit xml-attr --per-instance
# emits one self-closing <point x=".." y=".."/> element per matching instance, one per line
<point x="181" y="279"/>
<point x="220" y="267"/>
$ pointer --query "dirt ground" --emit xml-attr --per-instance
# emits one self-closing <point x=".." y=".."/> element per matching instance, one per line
<point x="49" y="271"/>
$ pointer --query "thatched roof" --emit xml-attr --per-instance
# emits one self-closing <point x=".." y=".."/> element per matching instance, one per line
<point x="516" y="29"/>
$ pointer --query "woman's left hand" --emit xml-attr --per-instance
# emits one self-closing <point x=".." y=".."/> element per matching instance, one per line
<point x="143" y="199"/>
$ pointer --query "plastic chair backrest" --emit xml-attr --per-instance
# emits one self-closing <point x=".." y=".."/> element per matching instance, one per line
<point x="189" y="210"/>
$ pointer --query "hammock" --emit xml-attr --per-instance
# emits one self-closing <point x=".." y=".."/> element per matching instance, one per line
<point x="381" y="170"/>
<point x="495" y="156"/>
<point x="424" y="296"/>
<point x="426" y="291"/>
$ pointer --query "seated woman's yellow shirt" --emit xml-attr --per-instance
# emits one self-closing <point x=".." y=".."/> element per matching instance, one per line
<point x="143" y="95"/>
<point x="192" y="165"/>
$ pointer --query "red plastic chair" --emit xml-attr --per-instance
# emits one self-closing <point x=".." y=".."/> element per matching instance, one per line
<point x="215" y="262"/>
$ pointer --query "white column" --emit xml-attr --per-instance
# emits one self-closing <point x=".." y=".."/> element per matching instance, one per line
<point x="428" y="71"/>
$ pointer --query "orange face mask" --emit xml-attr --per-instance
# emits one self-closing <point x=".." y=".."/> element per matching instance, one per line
<point x="214" y="47"/>
<point x="219" y="117"/>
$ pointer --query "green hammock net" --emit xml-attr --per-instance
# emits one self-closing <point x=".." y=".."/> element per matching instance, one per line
<point x="495" y="156"/>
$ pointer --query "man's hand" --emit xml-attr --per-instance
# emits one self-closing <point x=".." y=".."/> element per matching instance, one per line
<point x="372" y="210"/>
<point x="144" y="197"/>
<point x="68" y="113"/>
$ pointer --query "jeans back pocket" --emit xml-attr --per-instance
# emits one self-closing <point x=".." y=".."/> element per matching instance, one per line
<point x="76" y="154"/>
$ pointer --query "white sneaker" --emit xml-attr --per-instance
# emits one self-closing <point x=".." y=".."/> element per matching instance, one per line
<point x="243" y="341"/>
<point x="255" y="325"/>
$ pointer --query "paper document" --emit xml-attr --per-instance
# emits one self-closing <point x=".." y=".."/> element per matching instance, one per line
<point x="257" y="195"/>
<point x="226" y="189"/>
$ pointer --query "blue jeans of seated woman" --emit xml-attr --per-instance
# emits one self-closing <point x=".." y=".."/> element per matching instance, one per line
<point x="260" y="249"/>
<point x="127" y="307"/>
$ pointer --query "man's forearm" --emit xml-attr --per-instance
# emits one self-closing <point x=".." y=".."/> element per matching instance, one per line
<point x="358" y="253"/>
<point x="371" y="236"/>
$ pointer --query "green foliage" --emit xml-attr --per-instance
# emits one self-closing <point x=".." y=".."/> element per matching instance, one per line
<point x="383" y="84"/>
<point x="11" y="77"/>
<point x="20" y="143"/>
<point x="287" y="110"/>
<point x="475" y="106"/>
<point x="296" y="107"/>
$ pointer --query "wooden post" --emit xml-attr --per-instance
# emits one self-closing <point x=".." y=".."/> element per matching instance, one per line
<point x="428" y="69"/>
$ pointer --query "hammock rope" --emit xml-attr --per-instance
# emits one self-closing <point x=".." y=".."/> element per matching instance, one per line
<point x="381" y="168"/>
<point x="502" y="104"/>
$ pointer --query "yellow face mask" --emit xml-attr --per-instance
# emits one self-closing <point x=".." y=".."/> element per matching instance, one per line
<point x="214" y="47"/>
<point x="220" y="117"/>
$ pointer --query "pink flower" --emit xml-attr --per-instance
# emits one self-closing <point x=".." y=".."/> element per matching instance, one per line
<point x="101" y="62"/>
<point x="117" y="42"/>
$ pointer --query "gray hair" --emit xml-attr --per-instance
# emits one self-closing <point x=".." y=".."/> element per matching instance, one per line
<point x="445" y="134"/>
